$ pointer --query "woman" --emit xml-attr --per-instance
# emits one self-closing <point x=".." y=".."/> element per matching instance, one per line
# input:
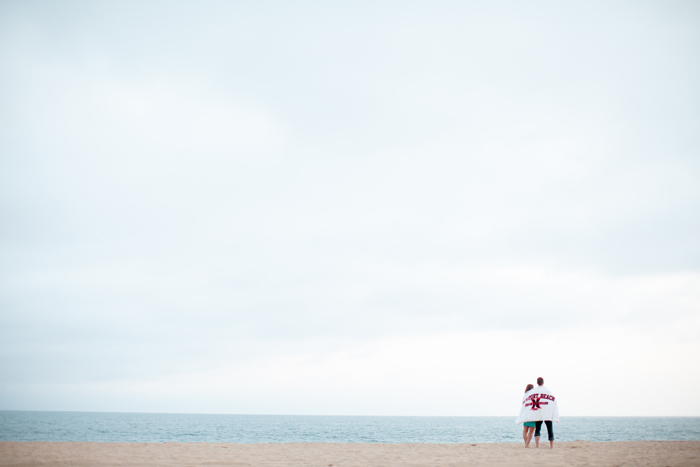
<point x="528" y="427"/>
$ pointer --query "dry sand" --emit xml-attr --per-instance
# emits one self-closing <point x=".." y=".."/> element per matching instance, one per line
<point x="580" y="453"/>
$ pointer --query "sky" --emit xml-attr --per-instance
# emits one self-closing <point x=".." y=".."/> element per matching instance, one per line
<point x="350" y="208"/>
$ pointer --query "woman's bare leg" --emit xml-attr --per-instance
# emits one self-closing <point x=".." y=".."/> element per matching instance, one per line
<point x="530" y="432"/>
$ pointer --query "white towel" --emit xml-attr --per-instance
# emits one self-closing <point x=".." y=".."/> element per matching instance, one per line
<point x="538" y="404"/>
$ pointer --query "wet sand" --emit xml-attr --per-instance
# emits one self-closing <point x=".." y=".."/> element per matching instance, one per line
<point x="579" y="453"/>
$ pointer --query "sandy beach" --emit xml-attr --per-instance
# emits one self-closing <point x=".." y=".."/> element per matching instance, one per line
<point x="579" y="453"/>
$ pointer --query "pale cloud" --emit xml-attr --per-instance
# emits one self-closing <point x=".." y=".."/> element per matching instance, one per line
<point x="426" y="375"/>
<point x="352" y="209"/>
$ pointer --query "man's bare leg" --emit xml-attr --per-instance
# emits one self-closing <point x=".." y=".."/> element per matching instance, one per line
<point x="551" y="444"/>
<point x="529" y="436"/>
<point x="537" y="441"/>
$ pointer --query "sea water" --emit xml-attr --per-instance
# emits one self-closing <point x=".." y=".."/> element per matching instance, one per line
<point x="156" y="428"/>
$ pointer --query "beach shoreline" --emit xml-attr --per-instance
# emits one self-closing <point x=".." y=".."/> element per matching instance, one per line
<point x="577" y="453"/>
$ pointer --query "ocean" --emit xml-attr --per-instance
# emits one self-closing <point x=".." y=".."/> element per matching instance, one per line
<point x="190" y="428"/>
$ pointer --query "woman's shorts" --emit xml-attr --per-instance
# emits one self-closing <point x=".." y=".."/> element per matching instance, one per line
<point x="532" y="424"/>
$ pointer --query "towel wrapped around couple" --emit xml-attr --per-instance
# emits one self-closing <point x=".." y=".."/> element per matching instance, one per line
<point x="538" y="404"/>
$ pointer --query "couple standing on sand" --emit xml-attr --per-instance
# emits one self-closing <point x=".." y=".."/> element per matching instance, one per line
<point x="539" y="405"/>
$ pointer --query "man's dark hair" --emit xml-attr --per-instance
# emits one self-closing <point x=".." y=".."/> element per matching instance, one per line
<point x="540" y="381"/>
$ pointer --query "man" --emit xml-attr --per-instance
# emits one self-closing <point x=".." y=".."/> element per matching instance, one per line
<point x="549" y="415"/>
<point x="539" y="405"/>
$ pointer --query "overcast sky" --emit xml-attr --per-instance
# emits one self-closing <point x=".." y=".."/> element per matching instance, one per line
<point x="361" y="208"/>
